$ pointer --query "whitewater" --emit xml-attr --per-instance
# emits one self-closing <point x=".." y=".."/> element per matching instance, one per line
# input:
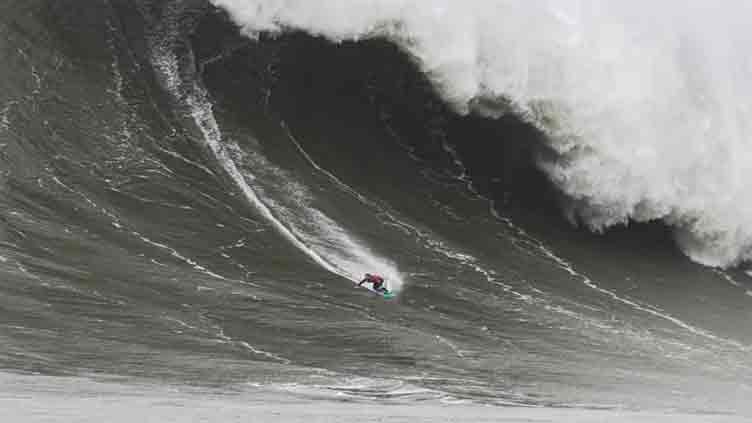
<point x="646" y="105"/>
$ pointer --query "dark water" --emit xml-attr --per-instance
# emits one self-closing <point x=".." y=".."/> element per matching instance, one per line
<point x="189" y="207"/>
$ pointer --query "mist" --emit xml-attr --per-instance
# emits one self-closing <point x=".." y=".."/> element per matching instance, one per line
<point x="647" y="105"/>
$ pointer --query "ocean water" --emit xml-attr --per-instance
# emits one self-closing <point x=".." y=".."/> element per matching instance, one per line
<point x="555" y="190"/>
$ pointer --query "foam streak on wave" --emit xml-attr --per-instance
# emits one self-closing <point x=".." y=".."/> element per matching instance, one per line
<point x="490" y="275"/>
<point x="634" y="304"/>
<point x="306" y="228"/>
<point x="429" y="239"/>
<point x="117" y="224"/>
<point x="617" y="86"/>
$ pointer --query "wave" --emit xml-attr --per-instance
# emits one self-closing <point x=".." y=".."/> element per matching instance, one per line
<point x="646" y="106"/>
<point x="182" y="205"/>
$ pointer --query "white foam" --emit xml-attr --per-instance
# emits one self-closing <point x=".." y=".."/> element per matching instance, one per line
<point x="649" y="103"/>
<point x="5" y="117"/>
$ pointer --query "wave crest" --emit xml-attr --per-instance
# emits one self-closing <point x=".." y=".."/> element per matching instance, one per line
<point x="647" y="105"/>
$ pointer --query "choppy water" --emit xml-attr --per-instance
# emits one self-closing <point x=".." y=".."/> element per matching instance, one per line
<point x="185" y="211"/>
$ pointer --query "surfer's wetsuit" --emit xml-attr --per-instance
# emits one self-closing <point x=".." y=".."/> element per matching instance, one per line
<point x="376" y="280"/>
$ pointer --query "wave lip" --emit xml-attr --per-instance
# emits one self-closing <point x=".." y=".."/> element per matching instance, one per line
<point x="649" y="112"/>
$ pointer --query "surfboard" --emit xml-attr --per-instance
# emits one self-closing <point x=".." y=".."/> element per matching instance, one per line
<point x="388" y="295"/>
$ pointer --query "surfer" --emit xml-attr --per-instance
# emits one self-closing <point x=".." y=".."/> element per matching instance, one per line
<point x="376" y="280"/>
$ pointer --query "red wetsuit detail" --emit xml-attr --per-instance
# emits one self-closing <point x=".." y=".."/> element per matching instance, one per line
<point x="376" y="280"/>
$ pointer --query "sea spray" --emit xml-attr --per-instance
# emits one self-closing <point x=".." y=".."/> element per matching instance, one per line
<point x="647" y="104"/>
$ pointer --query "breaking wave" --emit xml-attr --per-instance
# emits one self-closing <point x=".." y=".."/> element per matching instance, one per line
<point x="647" y="106"/>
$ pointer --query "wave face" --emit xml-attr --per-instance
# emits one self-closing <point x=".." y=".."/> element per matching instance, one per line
<point x="646" y="106"/>
<point x="186" y="204"/>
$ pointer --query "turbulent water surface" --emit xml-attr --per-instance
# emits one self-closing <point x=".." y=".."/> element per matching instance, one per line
<point x="189" y="191"/>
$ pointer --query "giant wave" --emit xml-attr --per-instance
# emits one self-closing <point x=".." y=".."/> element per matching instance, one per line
<point x="184" y="205"/>
<point x="647" y="106"/>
